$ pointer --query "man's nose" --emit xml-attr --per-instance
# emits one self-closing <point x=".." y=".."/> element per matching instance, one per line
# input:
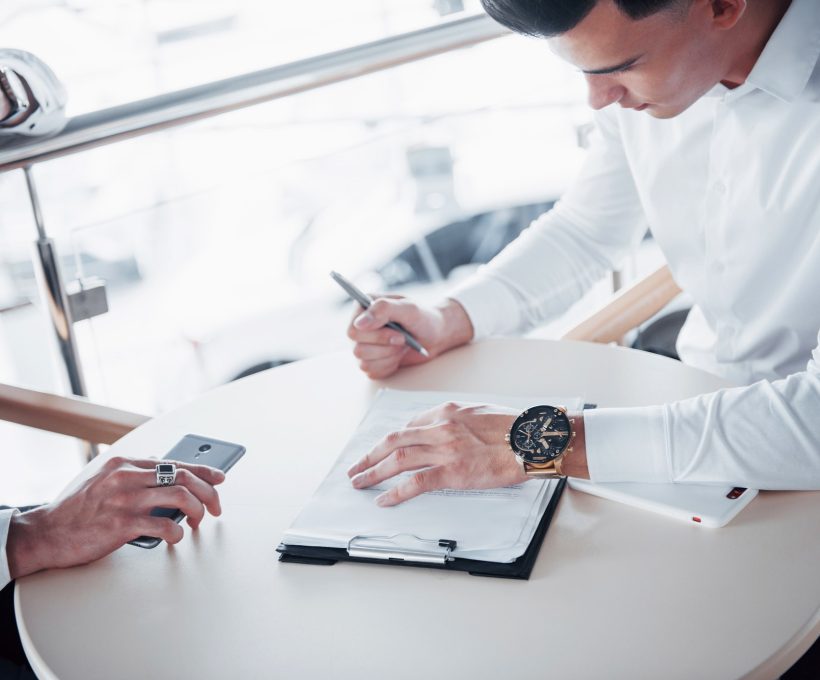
<point x="603" y="91"/>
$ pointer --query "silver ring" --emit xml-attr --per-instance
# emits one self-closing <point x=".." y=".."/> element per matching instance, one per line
<point x="166" y="474"/>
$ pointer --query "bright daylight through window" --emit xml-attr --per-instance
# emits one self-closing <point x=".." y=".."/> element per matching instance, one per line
<point x="214" y="239"/>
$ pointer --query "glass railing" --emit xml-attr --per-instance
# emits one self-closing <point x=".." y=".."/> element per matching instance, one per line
<point x="215" y="237"/>
<point x="114" y="52"/>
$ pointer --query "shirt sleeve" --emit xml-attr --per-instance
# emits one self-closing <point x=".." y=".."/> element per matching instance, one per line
<point x="565" y="251"/>
<point x="5" y="519"/>
<point x="763" y="436"/>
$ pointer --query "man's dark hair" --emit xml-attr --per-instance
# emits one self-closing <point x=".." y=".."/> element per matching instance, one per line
<point x="546" y="18"/>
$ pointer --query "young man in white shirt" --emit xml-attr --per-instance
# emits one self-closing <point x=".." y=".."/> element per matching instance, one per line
<point x="709" y="122"/>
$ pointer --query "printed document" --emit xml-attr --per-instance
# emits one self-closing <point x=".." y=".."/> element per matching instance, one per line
<point x="494" y="525"/>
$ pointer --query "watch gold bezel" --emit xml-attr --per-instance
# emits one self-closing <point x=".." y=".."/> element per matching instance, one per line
<point x="510" y="440"/>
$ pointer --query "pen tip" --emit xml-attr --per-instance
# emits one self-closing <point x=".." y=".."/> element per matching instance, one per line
<point x="424" y="353"/>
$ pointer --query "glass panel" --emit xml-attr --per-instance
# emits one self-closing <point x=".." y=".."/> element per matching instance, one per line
<point x="111" y="52"/>
<point x="216" y="239"/>
<point x="36" y="465"/>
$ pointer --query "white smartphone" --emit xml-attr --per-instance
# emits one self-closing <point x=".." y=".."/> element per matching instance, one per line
<point x="709" y="506"/>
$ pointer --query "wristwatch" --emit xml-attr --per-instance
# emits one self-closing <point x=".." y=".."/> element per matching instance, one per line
<point x="12" y="88"/>
<point x="541" y="437"/>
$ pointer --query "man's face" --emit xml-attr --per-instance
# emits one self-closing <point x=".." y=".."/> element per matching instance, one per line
<point x="661" y="64"/>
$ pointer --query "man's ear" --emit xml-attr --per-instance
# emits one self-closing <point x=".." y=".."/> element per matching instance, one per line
<point x="726" y="13"/>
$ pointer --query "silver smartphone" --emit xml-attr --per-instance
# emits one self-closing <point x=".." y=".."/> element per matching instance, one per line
<point x="193" y="448"/>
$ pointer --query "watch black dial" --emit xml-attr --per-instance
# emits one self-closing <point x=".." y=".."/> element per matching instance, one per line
<point x="540" y="434"/>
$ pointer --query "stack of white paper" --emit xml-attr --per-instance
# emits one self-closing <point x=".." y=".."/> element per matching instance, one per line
<point x="494" y="525"/>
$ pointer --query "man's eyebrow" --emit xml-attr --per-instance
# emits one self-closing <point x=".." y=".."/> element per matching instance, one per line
<point x="612" y="69"/>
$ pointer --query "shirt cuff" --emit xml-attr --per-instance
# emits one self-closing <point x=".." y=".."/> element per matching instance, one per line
<point x="491" y="306"/>
<point x="5" y="519"/>
<point x="627" y="444"/>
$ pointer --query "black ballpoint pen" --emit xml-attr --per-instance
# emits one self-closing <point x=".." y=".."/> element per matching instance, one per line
<point x="365" y="301"/>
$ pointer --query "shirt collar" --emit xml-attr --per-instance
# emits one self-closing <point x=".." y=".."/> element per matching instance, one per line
<point x="790" y="57"/>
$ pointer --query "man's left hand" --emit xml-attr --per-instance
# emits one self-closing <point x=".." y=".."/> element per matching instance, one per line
<point x="453" y="446"/>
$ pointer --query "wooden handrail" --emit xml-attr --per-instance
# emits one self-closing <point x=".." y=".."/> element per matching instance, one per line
<point x="70" y="416"/>
<point x="628" y="309"/>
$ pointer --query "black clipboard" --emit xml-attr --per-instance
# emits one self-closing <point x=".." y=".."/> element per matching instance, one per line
<point x="521" y="568"/>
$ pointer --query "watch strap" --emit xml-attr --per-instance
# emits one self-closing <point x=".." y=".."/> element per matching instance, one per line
<point x="551" y="470"/>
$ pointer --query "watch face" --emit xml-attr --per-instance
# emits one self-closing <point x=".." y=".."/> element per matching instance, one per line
<point x="540" y="434"/>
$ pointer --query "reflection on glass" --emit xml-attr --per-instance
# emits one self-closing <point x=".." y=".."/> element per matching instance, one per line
<point x="216" y="238"/>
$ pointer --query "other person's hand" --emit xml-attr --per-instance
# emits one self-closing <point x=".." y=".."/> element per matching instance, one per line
<point x="382" y="351"/>
<point x="109" y="509"/>
<point x="453" y="446"/>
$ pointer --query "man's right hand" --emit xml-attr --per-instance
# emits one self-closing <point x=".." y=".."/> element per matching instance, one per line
<point x="382" y="351"/>
<point x="109" y="509"/>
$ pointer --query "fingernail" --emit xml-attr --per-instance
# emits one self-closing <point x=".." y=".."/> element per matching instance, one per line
<point x="358" y="481"/>
<point x="364" y="320"/>
<point x="352" y="470"/>
<point x="397" y="340"/>
<point x="382" y="500"/>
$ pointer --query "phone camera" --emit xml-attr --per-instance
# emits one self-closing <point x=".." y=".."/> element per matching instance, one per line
<point x="205" y="448"/>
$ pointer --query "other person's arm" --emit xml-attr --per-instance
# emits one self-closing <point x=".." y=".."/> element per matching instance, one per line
<point x="106" y="511"/>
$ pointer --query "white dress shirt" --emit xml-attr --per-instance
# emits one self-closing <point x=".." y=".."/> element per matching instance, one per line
<point x="731" y="189"/>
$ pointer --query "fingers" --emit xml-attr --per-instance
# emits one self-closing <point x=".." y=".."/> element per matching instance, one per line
<point x="177" y="497"/>
<point x="211" y="475"/>
<point x="375" y="353"/>
<point x="193" y="492"/>
<point x="423" y="481"/>
<point x="202" y="491"/>
<point x="400" y="460"/>
<point x="442" y="414"/>
<point x="190" y="490"/>
<point x="380" y="336"/>
<point x="160" y="527"/>
<point x="383" y="368"/>
<point x="383" y="310"/>
<point x="380" y="350"/>
<point x="411" y="436"/>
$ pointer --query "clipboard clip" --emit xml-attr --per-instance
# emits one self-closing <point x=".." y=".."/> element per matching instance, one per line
<point x="402" y="547"/>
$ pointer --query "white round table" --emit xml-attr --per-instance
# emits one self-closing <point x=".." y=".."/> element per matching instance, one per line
<point x="616" y="592"/>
